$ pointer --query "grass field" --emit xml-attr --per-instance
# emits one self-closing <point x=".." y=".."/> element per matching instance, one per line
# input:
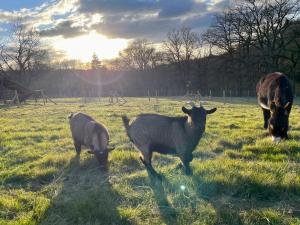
<point x="239" y="175"/>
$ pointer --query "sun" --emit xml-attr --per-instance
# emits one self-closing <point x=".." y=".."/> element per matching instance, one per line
<point x="83" y="47"/>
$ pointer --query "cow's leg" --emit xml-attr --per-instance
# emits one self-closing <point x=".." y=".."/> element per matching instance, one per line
<point x="266" y="117"/>
<point x="77" y="147"/>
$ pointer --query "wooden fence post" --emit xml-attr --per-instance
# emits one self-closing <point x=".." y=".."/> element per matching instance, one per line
<point x="224" y="96"/>
<point x="43" y="96"/>
<point x="17" y="97"/>
<point x="248" y="95"/>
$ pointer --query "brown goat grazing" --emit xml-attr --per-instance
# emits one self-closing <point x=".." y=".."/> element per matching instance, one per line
<point x="86" y="131"/>
<point x="167" y="135"/>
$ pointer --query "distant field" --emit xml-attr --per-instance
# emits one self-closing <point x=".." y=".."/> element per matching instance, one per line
<point x="239" y="175"/>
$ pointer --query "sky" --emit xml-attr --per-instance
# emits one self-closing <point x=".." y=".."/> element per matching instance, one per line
<point x="79" y="28"/>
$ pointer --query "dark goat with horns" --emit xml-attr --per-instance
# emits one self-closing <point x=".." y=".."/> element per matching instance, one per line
<point x="168" y="135"/>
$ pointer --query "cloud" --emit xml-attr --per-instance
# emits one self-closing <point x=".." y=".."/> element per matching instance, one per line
<point x="150" y="28"/>
<point x="176" y="7"/>
<point x="221" y="5"/>
<point x="164" y="8"/>
<point x="115" y="6"/>
<point x="150" y="19"/>
<point x="6" y="16"/>
<point x="65" y="29"/>
<point x="40" y="15"/>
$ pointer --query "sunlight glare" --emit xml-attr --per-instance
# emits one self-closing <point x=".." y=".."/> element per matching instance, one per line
<point x="83" y="47"/>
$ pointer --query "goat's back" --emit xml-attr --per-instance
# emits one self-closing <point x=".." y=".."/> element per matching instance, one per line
<point x="148" y="129"/>
<point x="78" y="126"/>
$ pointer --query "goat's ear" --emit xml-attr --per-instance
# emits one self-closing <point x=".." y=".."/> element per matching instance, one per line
<point x="185" y="110"/>
<point x="110" y="148"/>
<point x="211" y="111"/>
<point x="287" y="105"/>
<point x="272" y="106"/>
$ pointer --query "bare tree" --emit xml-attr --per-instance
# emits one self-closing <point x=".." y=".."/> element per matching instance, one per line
<point x="221" y="34"/>
<point x="256" y="35"/>
<point x="269" y="22"/>
<point x="22" y="51"/>
<point x="181" y="47"/>
<point x="114" y="64"/>
<point x="140" y="54"/>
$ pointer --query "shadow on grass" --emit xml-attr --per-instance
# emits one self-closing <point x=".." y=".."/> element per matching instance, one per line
<point x="246" y="188"/>
<point x="226" y="144"/>
<point x="167" y="212"/>
<point x="244" y="194"/>
<point x="291" y="153"/>
<point x="86" y="197"/>
<point x="29" y="182"/>
<point x="237" y="144"/>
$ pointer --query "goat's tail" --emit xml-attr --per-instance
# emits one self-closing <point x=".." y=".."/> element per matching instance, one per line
<point x="70" y="115"/>
<point x="126" y="124"/>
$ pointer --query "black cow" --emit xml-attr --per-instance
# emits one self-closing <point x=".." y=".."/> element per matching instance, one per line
<point x="275" y="96"/>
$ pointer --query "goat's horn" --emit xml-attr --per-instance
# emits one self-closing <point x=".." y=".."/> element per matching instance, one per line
<point x="190" y="103"/>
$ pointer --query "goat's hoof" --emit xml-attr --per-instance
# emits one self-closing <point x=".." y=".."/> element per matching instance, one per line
<point x="179" y="166"/>
<point x="188" y="172"/>
<point x="156" y="177"/>
<point x="103" y="168"/>
<point x="159" y="177"/>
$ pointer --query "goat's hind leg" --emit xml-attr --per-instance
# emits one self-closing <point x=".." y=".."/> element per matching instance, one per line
<point x="146" y="157"/>
<point x="77" y="147"/>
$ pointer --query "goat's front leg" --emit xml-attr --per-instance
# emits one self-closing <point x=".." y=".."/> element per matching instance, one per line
<point x="186" y="158"/>
<point x="267" y="115"/>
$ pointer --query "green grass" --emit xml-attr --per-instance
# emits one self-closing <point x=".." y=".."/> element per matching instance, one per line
<point x="240" y="176"/>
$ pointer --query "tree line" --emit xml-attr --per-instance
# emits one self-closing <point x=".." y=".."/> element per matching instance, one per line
<point x="246" y="40"/>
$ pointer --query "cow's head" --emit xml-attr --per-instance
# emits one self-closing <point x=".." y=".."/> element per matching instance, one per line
<point x="279" y="121"/>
